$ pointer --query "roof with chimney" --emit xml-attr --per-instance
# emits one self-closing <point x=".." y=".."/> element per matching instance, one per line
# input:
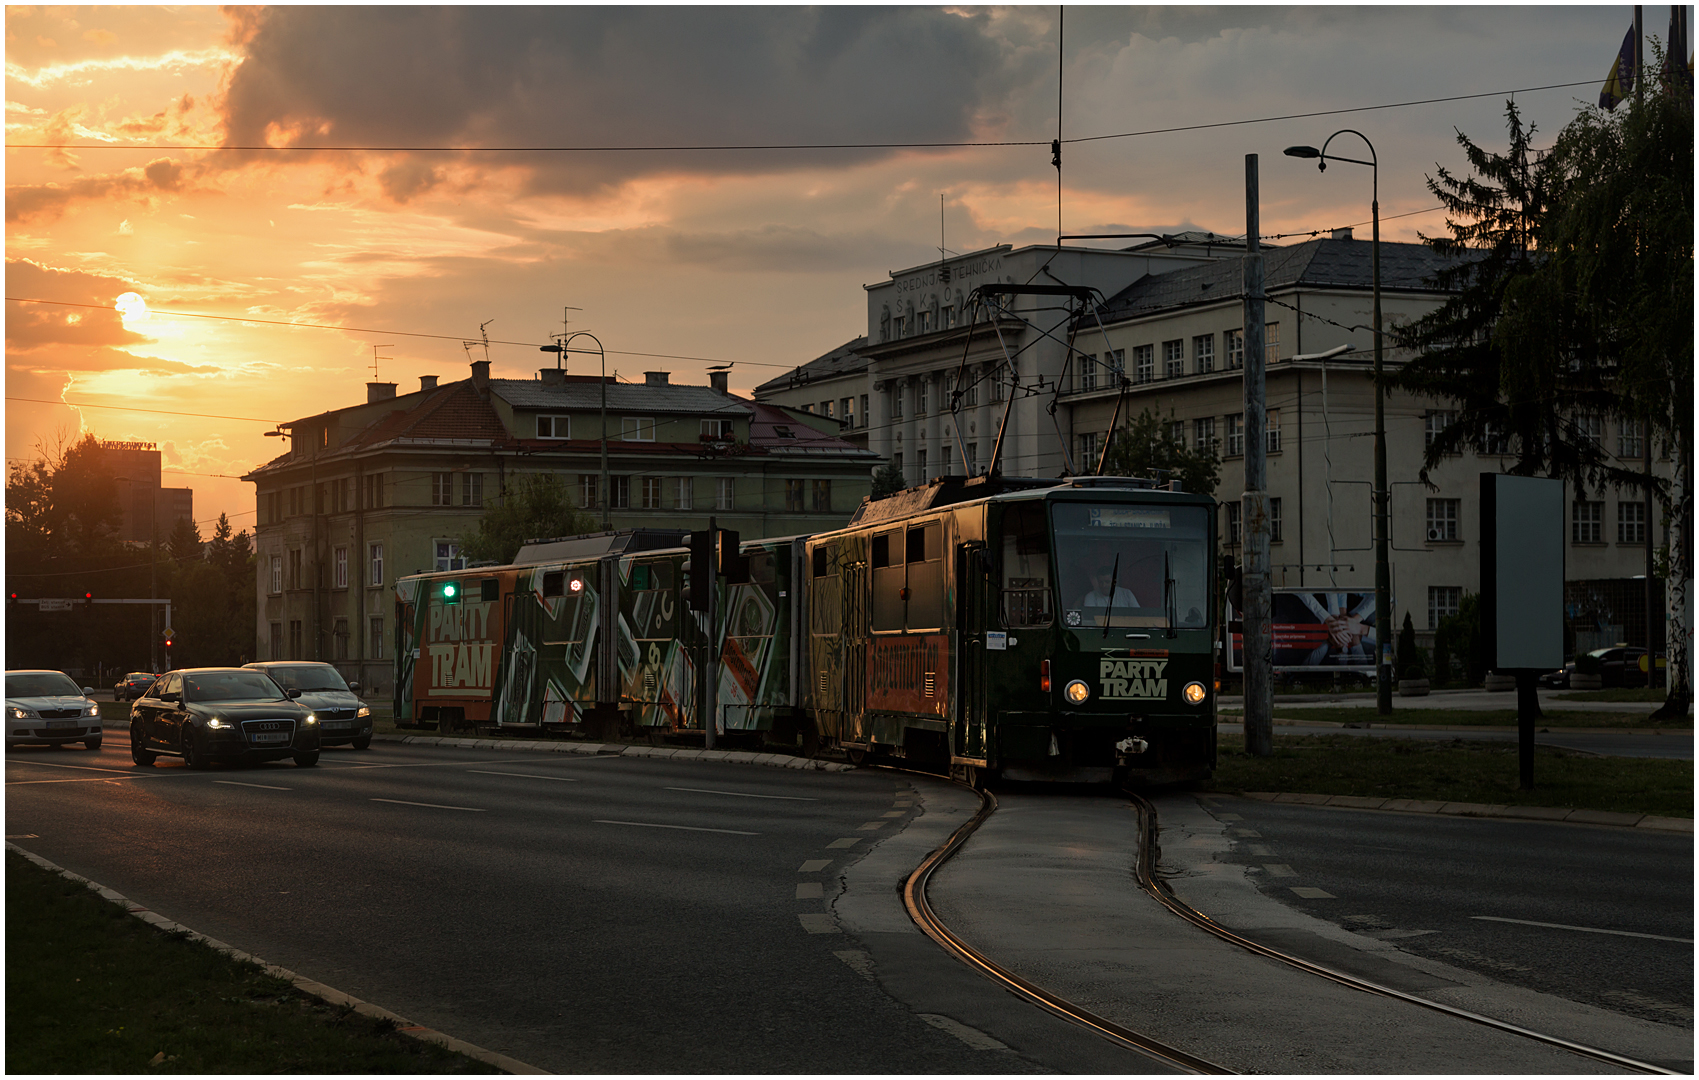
<point x="774" y="430"/>
<point x="843" y="360"/>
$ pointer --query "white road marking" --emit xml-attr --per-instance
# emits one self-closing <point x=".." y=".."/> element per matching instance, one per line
<point x="86" y="780"/>
<point x="1309" y="893"/>
<point x="818" y="924"/>
<point x="1583" y="929"/>
<point x="431" y="805"/>
<point x="685" y="828"/>
<point x="848" y="841"/>
<point x="22" y="836"/>
<point x="1279" y="870"/>
<point x="742" y="794"/>
<point x="893" y="813"/>
<point x="814" y="866"/>
<point x="810" y="890"/>
<point x="859" y="961"/>
<point x="239" y="783"/>
<point x="870" y="826"/>
<point x="975" y="1038"/>
<point x="526" y="775"/>
<point x="62" y="765"/>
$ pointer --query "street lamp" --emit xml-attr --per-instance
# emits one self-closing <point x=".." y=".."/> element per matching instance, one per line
<point x="1384" y="621"/>
<point x="562" y="349"/>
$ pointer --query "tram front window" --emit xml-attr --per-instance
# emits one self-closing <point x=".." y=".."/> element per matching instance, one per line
<point x="1132" y="565"/>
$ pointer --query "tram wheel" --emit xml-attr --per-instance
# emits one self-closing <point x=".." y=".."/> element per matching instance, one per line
<point x="856" y="757"/>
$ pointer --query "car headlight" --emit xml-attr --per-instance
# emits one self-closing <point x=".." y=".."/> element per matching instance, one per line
<point x="311" y="719"/>
<point x="215" y="723"/>
<point x="365" y="710"/>
<point x="1076" y="692"/>
<point x="93" y="709"/>
<point x="19" y="713"/>
<point x="1194" y="693"/>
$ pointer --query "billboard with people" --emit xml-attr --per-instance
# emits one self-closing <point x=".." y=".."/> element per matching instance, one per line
<point x="1316" y="630"/>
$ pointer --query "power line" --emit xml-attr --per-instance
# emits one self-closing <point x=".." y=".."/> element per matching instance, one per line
<point x="723" y="147"/>
<point x="393" y="333"/>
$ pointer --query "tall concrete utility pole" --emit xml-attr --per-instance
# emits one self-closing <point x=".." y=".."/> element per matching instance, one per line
<point x="1253" y="516"/>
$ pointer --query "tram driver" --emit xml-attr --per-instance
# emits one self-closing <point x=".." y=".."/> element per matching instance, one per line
<point x="1102" y="580"/>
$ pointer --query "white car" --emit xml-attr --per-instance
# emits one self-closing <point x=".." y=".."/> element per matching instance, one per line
<point x="47" y="707"/>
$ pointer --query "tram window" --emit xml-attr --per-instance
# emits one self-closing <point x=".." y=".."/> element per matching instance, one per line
<point x="819" y="562"/>
<point x="489" y="590"/>
<point x="925" y="577"/>
<point x="651" y="576"/>
<point x="762" y="568"/>
<point x="888" y="584"/>
<point x="1026" y="566"/>
<point x="1133" y="565"/>
<point x="554" y="583"/>
<point x="881" y="550"/>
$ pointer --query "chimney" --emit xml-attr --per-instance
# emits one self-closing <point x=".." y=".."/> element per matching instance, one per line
<point x="379" y="391"/>
<point x="718" y="380"/>
<point x="552" y="376"/>
<point x="427" y="382"/>
<point x="655" y="378"/>
<point x="1341" y="234"/>
<point x="480" y="375"/>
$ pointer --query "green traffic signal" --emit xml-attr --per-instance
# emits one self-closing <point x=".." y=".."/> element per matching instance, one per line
<point x="451" y="592"/>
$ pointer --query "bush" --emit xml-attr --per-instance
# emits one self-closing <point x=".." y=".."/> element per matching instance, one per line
<point x="1410" y="661"/>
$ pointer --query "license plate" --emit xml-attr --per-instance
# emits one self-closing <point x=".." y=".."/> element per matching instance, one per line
<point x="338" y="725"/>
<point x="64" y="723"/>
<point x="281" y="736"/>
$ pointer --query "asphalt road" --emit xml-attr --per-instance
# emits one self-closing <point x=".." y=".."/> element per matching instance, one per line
<point x="1674" y="745"/>
<point x="581" y="914"/>
<point x="1598" y="915"/>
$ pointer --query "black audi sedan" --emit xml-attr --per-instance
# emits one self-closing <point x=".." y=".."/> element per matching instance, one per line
<point x="221" y="714"/>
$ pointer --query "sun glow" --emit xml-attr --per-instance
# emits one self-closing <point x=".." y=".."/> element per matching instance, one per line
<point x="132" y="308"/>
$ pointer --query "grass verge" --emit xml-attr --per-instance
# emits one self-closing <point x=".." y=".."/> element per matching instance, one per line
<point x="1456" y="770"/>
<point x="1623" y="693"/>
<point x="1553" y="718"/>
<point x="91" y="989"/>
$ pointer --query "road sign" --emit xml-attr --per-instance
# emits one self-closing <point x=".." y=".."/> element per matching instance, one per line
<point x="168" y="632"/>
<point x="48" y="603"/>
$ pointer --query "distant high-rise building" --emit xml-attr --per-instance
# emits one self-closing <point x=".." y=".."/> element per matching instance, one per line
<point x="149" y="509"/>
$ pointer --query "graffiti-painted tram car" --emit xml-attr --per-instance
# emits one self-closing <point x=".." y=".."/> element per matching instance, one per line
<point x="1042" y="630"/>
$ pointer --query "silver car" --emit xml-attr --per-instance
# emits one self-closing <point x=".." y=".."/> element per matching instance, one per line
<point x="343" y="717"/>
<point x="47" y="707"/>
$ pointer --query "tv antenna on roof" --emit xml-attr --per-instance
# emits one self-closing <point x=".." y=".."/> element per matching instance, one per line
<point x="485" y="334"/>
<point x="376" y="358"/>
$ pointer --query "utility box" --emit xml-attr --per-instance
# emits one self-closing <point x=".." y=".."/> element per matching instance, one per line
<point x="1522" y="564"/>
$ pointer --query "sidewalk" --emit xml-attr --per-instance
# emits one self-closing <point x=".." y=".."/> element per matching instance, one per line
<point x="1474" y="698"/>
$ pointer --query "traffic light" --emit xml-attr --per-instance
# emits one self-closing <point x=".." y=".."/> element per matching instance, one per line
<point x="450" y="592"/>
<point x="700" y="569"/>
<point x="170" y="641"/>
<point x="14" y="600"/>
<point x="88" y="601"/>
<point x="733" y="565"/>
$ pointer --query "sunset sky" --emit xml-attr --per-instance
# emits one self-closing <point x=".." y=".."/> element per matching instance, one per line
<point x="441" y="210"/>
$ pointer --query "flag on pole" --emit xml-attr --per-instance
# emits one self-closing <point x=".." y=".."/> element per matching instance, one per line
<point x="1678" y="71"/>
<point x="1620" y="83"/>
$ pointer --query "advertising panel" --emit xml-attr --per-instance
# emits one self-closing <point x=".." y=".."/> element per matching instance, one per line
<point x="1316" y="630"/>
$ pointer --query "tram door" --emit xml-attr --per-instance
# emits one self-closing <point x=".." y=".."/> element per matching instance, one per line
<point x="973" y="586"/>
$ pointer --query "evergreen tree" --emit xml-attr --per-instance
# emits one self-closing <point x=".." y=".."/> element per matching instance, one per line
<point x="888" y="479"/>
<point x="536" y="505"/>
<point x="185" y="541"/>
<point x="1144" y="448"/>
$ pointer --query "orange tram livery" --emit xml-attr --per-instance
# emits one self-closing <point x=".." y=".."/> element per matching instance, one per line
<point x="1058" y="630"/>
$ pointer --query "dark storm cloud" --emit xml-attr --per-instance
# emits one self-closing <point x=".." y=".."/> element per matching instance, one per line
<point x="550" y="76"/>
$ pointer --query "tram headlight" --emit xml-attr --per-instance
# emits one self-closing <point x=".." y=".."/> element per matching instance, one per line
<point x="1076" y="692"/>
<point x="1194" y="693"/>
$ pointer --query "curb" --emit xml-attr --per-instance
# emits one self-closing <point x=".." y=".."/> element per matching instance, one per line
<point x="1490" y="810"/>
<point x="324" y="993"/>
<point x="674" y="753"/>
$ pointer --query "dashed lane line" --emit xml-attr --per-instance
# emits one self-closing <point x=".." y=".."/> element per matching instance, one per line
<point x="683" y="828"/>
<point x="238" y="783"/>
<point x="814" y="866"/>
<point x="432" y="806"/>
<point x="810" y="890"/>
<point x="973" y="1037"/>
<point x="844" y="842"/>
<point x="1582" y="929"/>
<point x="742" y="794"/>
<point x="524" y="775"/>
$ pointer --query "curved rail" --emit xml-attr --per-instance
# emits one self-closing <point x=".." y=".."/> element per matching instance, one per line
<point x="914" y="898"/>
<point x="1157" y="888"/>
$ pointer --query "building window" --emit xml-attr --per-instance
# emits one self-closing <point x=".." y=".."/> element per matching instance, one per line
<point x="1114" y="367"/>
<point x="1442" y="519"/>
<point x="864" y="410"/>
<point x="826" y="410"/>
<point x="1271" y="430"/>
<point x="339" y="568"/>
<point x="651" y="492"/>
<point x="1274" y="520"/>
<point x="1203" y="432"/>
<point x="1433" y="424"/>
<point x="1088" y="372"/>
<point x="294" y="568"/>
<point x="1271" y="343"/>
<point x="374" y="492"/>
<point x="1233" y="344"/>
<point x="1493" y="440"/>
<point x="339" y="639"/>
<point x="1088" y="452"/>
<point x="1587" y="522"/>
<point x="276" y="574"/>
<point x="846" y="411"/>
<point x="1443" y="602"/>
<point x="894" y="397"/>
<point x="1631" y="523"/>
<point x="637" y="429"/>
<point x="684" y="492"/>
<point x="589" y="484"/>
<point x="793" y="495"/>
<point x="897" y="460"/>
<point x="823" y="496"/>
<point x="1144" y="363"/>
<point x="448" y="556"/>
<point x="949" y="460"/>
<point x="554" y="427"/>
<point x="374" y="645"/>
<point x="472" y="489"/>
<point x="296" y="650"/>
<point x="724" y="496"/>
<point x="374" y="563"/>
<point x="275" y="643"/>
<point x="619" y="495"/>
<point x="1233" y="509"/>
<point x="1590" y="428"/>
<point x="442" y="489"/>
<point x="1203" y="353"/>
<point x="921" y="387"/>
<point x="718" y="430"/>
<point x="1631" y="439"/>
<point x="994" y="376"/>
<point x="920" y="460"/>
<point x="1173" y="359"/>
<point x="973" y="459"/>
<point x="1175" y="432"/>
<point x="1236" y="435"/>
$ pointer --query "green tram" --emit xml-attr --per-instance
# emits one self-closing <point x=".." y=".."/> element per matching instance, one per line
<point x="1053" y="630"/>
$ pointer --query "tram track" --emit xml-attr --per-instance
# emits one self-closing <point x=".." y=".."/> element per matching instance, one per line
<point x="920" y="910"/>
